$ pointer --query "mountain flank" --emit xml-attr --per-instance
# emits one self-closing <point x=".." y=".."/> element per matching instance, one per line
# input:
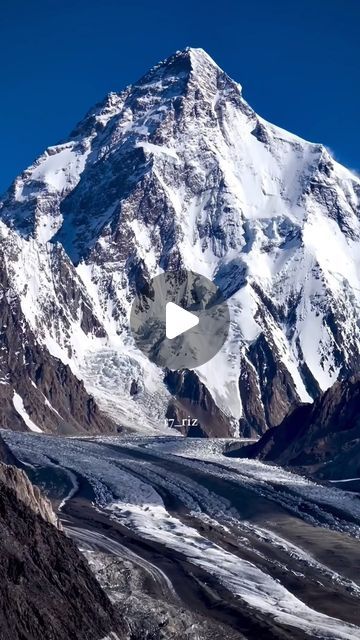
<point x="322" y="438"/>
<point x="47" y="589"/>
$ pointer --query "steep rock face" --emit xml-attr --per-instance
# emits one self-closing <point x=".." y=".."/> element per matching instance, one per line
<point x="6" y="456"/>
<point x="323" y="438"/>
<point x="47" y="589"/>
<point x="178" y="171"/>
<point x="193" y="408"/>
<point x="17" y="480"/>
<point x="275" y="389"/>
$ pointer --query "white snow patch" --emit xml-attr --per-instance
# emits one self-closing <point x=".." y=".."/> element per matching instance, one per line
<point x="19" y="407"/>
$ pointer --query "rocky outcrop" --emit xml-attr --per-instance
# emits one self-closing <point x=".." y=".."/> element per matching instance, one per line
<point x="6" y="456"/>
<point x="266" y="399"/>
<point x="193" y="411"/>
<point x="47" y="590"/>
<point x="322" y="438"/>
<point x="17" y="480"/>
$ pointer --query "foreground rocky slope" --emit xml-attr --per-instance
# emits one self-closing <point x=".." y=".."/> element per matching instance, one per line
<point x="6" y="456"/>
<point x="46" y="589"/>
<point x="323" y="438"/>
<point x="176" y="171"/>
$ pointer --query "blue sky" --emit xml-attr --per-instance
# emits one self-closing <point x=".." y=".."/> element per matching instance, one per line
<point x="298" y="63"/>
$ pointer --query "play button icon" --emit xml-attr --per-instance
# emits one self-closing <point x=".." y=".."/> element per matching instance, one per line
<point x="179" y="319"/>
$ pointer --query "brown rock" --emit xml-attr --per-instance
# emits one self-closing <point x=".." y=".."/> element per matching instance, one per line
<point x="47" y="590"/>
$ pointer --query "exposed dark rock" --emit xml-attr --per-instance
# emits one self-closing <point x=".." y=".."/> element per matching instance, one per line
<point x="261" y="133"/>
<point x="277" y="389"/>
<point x="134" y="388"/>
<point x="194" y="408"/>
<point x="322" y="438"/>
<point x="47" y="590"/>
<point x="71" y="294"/>
<point x="253" y="421"/>
<point x="17" y="480"/>
<point x="311" y="384"/>
<point x="6" y="455"/>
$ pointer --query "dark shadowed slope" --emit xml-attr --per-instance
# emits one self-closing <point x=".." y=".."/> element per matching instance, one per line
<point x="6" y="455"/>
<point x="47" y="590"/>
<point x="323" y="437"/>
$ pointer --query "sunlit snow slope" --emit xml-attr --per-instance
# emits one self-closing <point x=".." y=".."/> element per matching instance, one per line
<point x="178" y="170"/>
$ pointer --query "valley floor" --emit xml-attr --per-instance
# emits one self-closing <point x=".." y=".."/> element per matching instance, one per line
<point x="194" y="545"/>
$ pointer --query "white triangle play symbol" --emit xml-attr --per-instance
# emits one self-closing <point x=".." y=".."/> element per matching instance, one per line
<point x="178" y="320"/>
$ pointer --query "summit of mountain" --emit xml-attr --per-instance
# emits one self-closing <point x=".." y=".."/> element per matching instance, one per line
<point x="177" y="170"/>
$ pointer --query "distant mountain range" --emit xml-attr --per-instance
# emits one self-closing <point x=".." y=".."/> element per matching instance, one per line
<point x="176" y="171"/>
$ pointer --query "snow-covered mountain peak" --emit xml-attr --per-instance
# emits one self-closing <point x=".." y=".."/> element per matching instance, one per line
<point x="169" y="78"/>
<point x="189" y="64"/>
<point x="174" y="95"/>
<point x="178" y="170"/>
